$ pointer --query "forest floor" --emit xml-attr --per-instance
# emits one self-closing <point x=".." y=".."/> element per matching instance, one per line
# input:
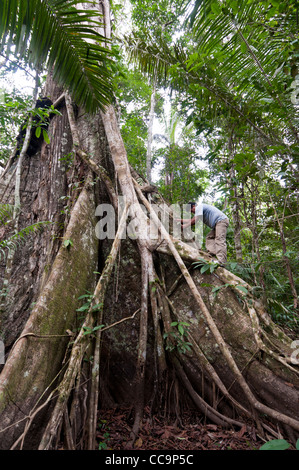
<point x="159" y="434"/>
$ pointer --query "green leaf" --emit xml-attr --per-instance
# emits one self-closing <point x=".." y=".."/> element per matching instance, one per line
<point x="16" y="239"/>
<point x="213" y="267"/>
<point x="243" y="289"/>
<point x="181" y="329"/>
<point x="205" y="268"/>
<point x="216" y="289"/>
<point x="46" y="137"/>
<point x="233" y="265"/>
<point x="215" y="7"/>
<point x="87" y="330"/>
<point x="97" y="327"/>
<point x="84" y="307"/>
<point x="234" y="6"/>
<point x="84" y="296"/>
<point x="97" y="307"/>
<point x="38" y="132"/>
<point x="243" y="47"/>
<point x="68" y="243"/>
<point x="275" y="444"/>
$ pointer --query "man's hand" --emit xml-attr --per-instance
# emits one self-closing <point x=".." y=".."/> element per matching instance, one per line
<point x="185" y="223"/>
<point x="182" y="221"/>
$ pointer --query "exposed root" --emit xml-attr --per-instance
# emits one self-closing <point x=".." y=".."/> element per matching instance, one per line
<point x="206" y="409"/>
<point x="141" y="355"/>
<point x="99" y="296"/>
<point x="210" y="371"/>
<point x="254" y="403"/>
<point x="79" y="347"/>
<point x="35" y="410"/>
<point x="94" y="166"/>
<point x="205" y="363"/>
<point x="159" y="356"/>
<point x="258" y="332"/>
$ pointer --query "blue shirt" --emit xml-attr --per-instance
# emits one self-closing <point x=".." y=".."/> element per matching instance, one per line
<point x="209" y="214"/>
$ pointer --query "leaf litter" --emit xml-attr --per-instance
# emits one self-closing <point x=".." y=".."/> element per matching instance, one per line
<point x="158" y="433"/>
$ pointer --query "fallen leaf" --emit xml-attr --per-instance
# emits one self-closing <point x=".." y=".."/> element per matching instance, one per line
<point x="166" y="435"/>
<point x="213" y="427"/>
<point x="242" y="431"/>
<point x="289" y="384"/>
<point x="138" y="443"/>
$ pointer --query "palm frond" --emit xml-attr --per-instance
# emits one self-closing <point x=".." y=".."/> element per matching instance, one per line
<point x="153" y="59"/>
<point x="248" y="53"/>
<point x="64" y="38"/>
<point x="18" y="238"/>
<point x="6" y="211"/>
<point x="232" y="63"/>
<point x="176" y="67"/>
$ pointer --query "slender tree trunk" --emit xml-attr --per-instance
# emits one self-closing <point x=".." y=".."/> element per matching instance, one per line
<point x="236" y="218"/>
<point x="251" y="221"/>
<point x="235" y="202"/>
<point x="286" y="259"/>
<point x="150" y="135"/>
<point x="255" y="236"/>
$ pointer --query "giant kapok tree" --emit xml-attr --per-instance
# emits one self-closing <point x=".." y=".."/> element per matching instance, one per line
<point x="88" y="321"/>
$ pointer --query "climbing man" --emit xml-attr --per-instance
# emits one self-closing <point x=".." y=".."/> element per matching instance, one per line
<point x="217" y="221"/>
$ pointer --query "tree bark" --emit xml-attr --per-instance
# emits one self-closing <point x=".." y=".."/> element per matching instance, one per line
<point x="235" y="347"/>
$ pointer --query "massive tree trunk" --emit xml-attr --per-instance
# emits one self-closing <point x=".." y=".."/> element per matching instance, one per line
<point x="239" y="367"/>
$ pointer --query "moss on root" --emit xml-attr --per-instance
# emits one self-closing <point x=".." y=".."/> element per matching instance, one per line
<point x="35" y="361"/>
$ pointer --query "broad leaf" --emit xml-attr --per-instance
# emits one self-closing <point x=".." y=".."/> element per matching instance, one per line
<point x="275" y="444"/>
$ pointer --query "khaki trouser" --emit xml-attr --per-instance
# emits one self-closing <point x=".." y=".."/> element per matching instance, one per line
<point x="216" y="241"/>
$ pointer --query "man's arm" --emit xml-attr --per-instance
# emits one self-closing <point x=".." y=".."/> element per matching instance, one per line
<point x="187" y="222"/>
